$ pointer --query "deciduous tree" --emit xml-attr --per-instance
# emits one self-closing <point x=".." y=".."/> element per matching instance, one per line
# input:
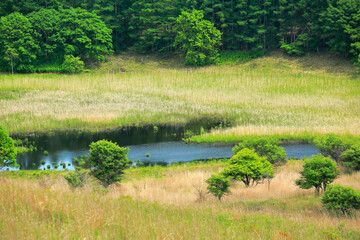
<point x="108" y="161"/>
<point x="7" y="150"/>
<point x="197" y="38"/>
<point x="318" y="172"/>
<point x="248" y="167"/>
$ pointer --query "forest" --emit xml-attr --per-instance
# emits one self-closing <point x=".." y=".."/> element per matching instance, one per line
<point x="63" y="35"/>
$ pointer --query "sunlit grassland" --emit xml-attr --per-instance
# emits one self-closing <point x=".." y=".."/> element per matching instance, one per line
<point x="166" y="207"/>
<point x="266" y="96"/>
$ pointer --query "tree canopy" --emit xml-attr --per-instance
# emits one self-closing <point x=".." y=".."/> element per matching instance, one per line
<point x="108" y="161"/>
<point x="341" y="198"/>
<point x="197" y="38"/>
<point x="298" y="27"/>
<point x="264" y="147"/>
<point x="318" y="172"/>
<point x="248" y="167"/>
<point x="49" y="35"/>
<point x="7" y="150"/>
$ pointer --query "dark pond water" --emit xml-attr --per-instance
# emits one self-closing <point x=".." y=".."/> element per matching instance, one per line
<point x="161" y="146"/>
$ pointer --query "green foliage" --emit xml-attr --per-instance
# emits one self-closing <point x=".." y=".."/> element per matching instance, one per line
<point x="72" y="64"/>
<point x="86" y="29"/>
<point x="197" y="38"/>
<point x="351" y="157"/>
<point x="318" y="172"/>
<point x="264" y="147"/>
<point x="18" y="49"/>
<point x="84" y="34"/>
<point x="341" y="198"/>
<point x="7" y="150"/>
<point x="151" y="24"/>
<point x="297" y="47"/>
<point x="218" y="185"/>
<point x="332" y="145"/>
<point x="339" y="20"/>
<point x="46" y="26"/>
<point x="232" y="57"/>
<point x="108" y="161"/>
<point x="76" y="178"/>
<point x="248" y="167"/>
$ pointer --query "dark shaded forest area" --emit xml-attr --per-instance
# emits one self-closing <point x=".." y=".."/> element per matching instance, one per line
<point x="60" y="35"/>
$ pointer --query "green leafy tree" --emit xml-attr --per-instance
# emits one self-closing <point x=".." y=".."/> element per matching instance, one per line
<point x="115" y="14"/>
<point x="351" y="157"/>
<point x="341" y="198"/>
<point x="248" y="167"/>
<point x="197" y="38"/>
<point x="151" y="24"/>
<point x="27" y="6"/>
<point x="108" y="161"/>
<point x="83" y="34"/>
<point x="332" y="145"/>
<point x="7" y="150"/>
<point x="339" y="21"/>
<point x="264" y="148"/>
<point x="46" y="24"/>
<point x="18" y="48"/>
<point x="11" y="55"/>
<point x="318" y="172"/>
<point x="218" y="185"/>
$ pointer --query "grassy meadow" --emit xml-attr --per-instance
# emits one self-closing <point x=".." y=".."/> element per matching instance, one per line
<point x="271" y="95"/>
<point x="275" y="95"/>
<point x="164" y="203"/>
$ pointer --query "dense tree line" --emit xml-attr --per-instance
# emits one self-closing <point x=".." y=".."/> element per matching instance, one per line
<point x="297" y="26"/>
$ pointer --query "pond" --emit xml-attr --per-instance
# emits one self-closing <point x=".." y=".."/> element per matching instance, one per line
<point x="151" y="146"/>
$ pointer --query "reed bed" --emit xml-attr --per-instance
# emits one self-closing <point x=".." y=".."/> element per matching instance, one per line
<point x="269" y="95"/>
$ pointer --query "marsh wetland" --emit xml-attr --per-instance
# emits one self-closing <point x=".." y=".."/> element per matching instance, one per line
<point x="150" y="108"/>
<point x="148" y="145"/>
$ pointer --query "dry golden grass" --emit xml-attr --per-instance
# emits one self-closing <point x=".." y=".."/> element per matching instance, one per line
<point x="283" y="199"/>
<point x="167" y="208"/>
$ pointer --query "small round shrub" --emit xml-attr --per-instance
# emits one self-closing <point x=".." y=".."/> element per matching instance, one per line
<point x="72" y="64"/>
<point x="351" y="157"/>
<point x="218" y="185"/>
<point x="108" y="161"/>
<point x="76" y="178"/>
<point x="341" y="198"/>
<point x="43" y="162"/>
<point x="48" y="166"/>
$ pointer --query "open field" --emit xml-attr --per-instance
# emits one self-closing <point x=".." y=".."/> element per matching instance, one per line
<point x="271" y="95"/>
<point x="165" y="205"/>
<point x="294" y="98"/>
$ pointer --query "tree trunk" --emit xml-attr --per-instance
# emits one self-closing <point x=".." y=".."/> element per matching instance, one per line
<point x="12" y="66"/>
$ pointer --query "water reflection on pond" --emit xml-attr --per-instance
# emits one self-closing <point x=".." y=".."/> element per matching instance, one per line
<point x="161" y="146"/>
